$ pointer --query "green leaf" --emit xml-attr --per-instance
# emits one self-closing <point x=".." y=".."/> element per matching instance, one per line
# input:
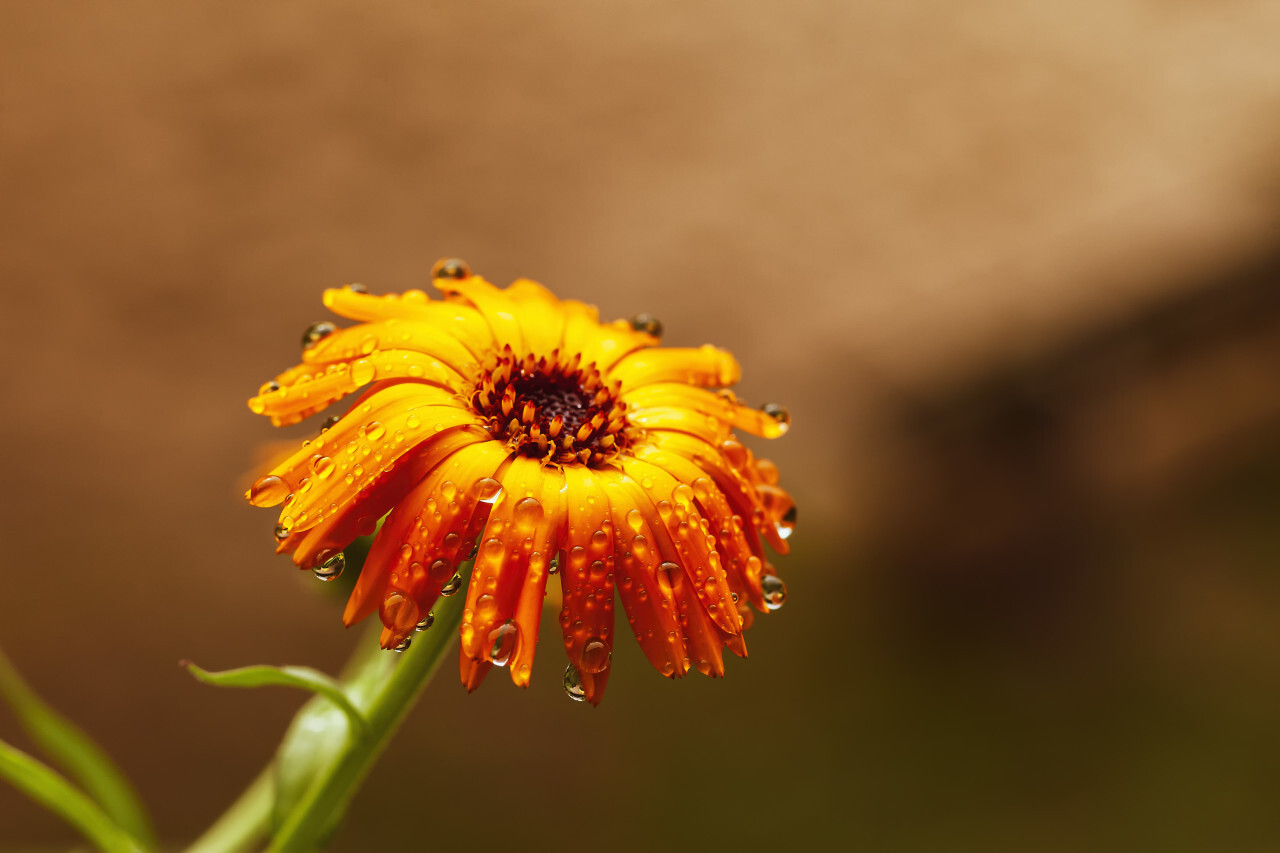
<point x="38" y="781"/>
<point x="72" y="750"/>
<point x="286" y="676"/>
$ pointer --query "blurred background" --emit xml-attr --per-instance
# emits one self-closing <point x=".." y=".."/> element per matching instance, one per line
<point x="1015" y="268"/>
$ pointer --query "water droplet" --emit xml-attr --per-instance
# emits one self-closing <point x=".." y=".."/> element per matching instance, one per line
<point x="635" y="520"/>
<point x="330" y="422"/>
<point x="399" y="612"/>
<point x="268" y="490"/>
<point x="486" y="607"/>
<point x="554" y="566"/>
<point x="322" y="466"/>
<point x="357" y="288"/>
<point x="486" y="490"/>
<point x="403" y="645"/>
<point x="330" y="565"/>
<point x="528" y="514"/>
<point x="282" y="532"/>
<point x="778" y="413"/>
<point x="413" y="422"/>
<point x="454" y="584"/>
<point x="454" y="268"/>
<point x="440" y="571"/>
<point x="787" y="525"/>
<point x="775" y="591"/>
<point x="363" y="371"/>
<point x="670" y="577"/>
<point x="269" y="387"/>
<point x="503" y="641"/>
<point x="317" y="332"/>
<point x="369" y="344"/>
<point x="648" y="324"/>
<point x="427" y="622"/>
<point x="374" y="430"/>
<point x="595" y="656"/>
<point x="573" y="684"/>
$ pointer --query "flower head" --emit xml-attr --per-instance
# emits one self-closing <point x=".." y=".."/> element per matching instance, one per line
<point x="516" y="427"/>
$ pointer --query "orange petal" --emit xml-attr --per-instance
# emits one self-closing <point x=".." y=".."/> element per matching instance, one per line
<point x="356" y="345"/>
<point x="502" y="565"/>
<point x="705" y="366"/>
<point x="650" y="611"/>
<point x="723" y="407"/>
<point x="496" y="307"/>
<point x="529" y="603"/>
<point x="453" y="484"/>
<point x="540" y="316"/>
<point x="691" y="536"/>
<point x="586" y="574"/>
<point x="302" y="394"/>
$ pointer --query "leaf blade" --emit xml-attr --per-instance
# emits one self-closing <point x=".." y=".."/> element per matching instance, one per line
<point x="301" y="677"/>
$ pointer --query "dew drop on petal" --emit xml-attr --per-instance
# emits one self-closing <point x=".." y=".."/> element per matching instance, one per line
<point x="369" y="344"/>
<point x="775" y="591"/>
<point x="486" y="490"/>
<point x="648" y="324"/>
<point x="635" y="520"/>
<point x="554" y="566"/>
<point x="427" y="622"/>
<point x="503" y="642"/>
<point x="363" y="371"/>
<point x="454" y="584"/>
<point x="317" y="332"/>
<point x="322" y="466"/>
<point x="778" y="413"/>
<point x="374" y="430"/>
<point x="403" y="645"/>
<point x="573" y="684"/>
<point x="595" y="656"/>
<point x="528" y="514"/>
<point x="282" y="532"/>
<point x="268" y="490"/>
<point x="330" y="566"/>
<point x="454" y="268"/>
<point x="670" y="577"/>
<point x="787" y="524"/>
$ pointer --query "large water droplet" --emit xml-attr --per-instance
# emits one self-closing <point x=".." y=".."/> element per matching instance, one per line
<point x="635" y="520"/>
<point x="403" y="645"/>
<point x="503" y="641"/>
<point x="454" y="584"/>
<point x="374" y="430"/>
<point x="317" y="332"/>
<point x="282" y="532"/>
<point x="670" y="577"/>
<point x="554" y="566"/>
<point x="486" y="490"/>
<point x="648" y="324"/>
<point x="330" y="566"/>
<point x="454" y="268"/>
<point x="787" y="525"/>
<point x="322" y="466"/>
<point x="363" y="371"/>
<point x="528" y="514"/>
<point x="427" y="622"/>
<point x="595" y="656"/>
<point x="268" y="490"/>
<point x="357" y="287"/>
<point x="775" y="591"/>
<point x="778" y="413"/>
<point x="573" y="684"/>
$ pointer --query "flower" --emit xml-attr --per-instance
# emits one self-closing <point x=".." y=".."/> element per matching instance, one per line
<point x="517" y="427"/>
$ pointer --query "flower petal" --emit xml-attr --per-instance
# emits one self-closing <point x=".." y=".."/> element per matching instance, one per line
<point x="705" y="366"/>
<point x="586" y="577"/>
<point x="722" y="406"/>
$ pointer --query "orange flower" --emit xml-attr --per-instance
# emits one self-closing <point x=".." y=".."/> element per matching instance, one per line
<point x="515" y="426"/>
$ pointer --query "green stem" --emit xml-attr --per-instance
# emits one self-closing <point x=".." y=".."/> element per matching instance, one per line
<point x="307" y="824"/>
<point x="39" y="782"/>
<point x="245" y="823"/>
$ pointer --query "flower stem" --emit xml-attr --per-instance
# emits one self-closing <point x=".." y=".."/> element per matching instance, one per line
<point x="309" y="822"/>
<point x="245" y="823"/>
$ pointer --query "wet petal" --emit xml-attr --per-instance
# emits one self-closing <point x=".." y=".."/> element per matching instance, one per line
<point x="586" y="577"/>
<point x="705" y="366"/>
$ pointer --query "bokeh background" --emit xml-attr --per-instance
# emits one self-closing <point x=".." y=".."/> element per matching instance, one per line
<point x="1014" y="266"/>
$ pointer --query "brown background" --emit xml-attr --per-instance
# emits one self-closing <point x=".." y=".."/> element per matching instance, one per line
<point x="1015" y="267"/>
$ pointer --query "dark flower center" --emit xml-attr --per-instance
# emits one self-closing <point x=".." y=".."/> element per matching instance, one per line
<point x="560" y="411"/>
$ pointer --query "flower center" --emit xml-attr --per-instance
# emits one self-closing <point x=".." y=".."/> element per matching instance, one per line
<point x="553" y="409"/>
